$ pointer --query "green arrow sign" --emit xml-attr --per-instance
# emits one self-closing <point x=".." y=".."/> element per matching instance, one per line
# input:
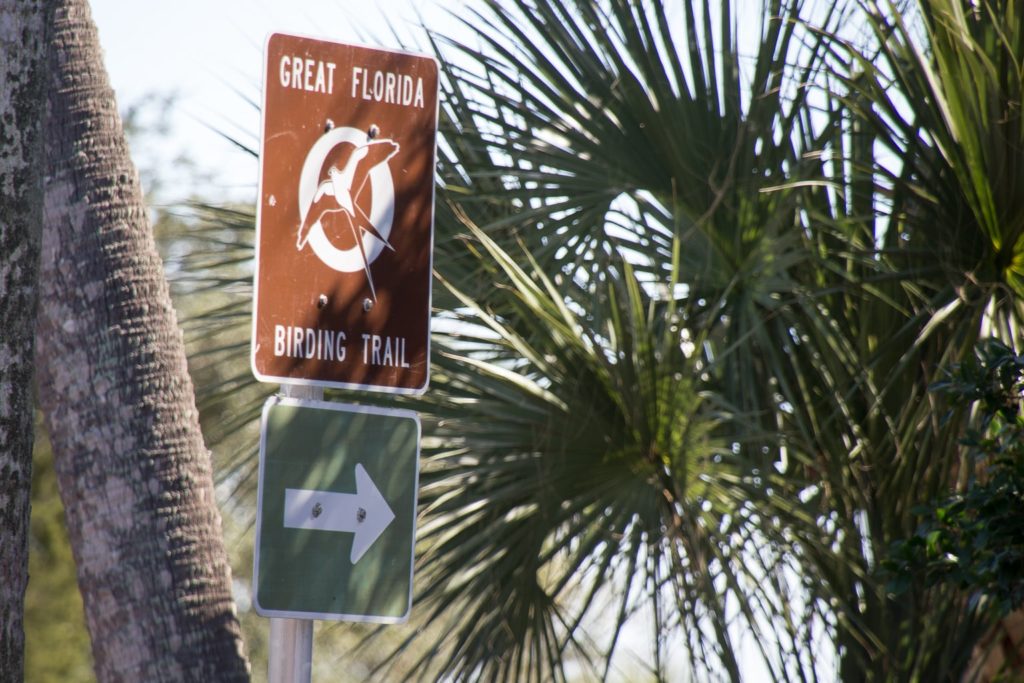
<point x="337" y="511"/>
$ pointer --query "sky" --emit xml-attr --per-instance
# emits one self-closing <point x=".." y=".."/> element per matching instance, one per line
<point x="209" y="55"/>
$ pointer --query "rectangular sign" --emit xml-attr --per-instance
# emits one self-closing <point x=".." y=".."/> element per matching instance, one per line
<point x="344" y="234"/>
<point x="336" y="512"/>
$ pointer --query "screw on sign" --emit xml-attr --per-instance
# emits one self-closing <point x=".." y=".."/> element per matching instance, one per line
<point x="345" y="221"/>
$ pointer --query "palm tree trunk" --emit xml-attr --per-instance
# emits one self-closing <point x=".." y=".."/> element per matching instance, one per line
<point x="134" y="474"/>
<point x="22" y="75"/>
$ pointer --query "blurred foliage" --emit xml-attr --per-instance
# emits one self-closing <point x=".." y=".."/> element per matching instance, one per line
<point x="167" y="167"/>
<point x="974" y="539"/>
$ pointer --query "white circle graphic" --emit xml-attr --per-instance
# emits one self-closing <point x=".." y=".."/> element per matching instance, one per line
<point x="382" y="205"/>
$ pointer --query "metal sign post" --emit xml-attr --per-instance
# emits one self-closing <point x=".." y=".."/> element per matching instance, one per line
<point x="291" y="651"/>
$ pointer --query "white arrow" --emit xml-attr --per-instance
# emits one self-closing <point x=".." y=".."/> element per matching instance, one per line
<point x="364" y="513"/>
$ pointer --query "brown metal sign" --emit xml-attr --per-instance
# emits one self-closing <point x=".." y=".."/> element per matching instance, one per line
<point x="344" y="234"/>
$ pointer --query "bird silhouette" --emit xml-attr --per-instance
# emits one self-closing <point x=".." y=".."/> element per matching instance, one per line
<point x="343" y="175"/>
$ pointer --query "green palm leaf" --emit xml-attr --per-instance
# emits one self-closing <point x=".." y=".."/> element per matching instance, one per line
<point x="575" y="466"/>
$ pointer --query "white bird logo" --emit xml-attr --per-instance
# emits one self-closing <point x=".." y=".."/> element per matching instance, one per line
<point x="343" y="176"/>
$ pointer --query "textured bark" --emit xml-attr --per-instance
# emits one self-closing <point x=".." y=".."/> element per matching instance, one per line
<point x="22" y="71"/>
<point x="134" y="474"/>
